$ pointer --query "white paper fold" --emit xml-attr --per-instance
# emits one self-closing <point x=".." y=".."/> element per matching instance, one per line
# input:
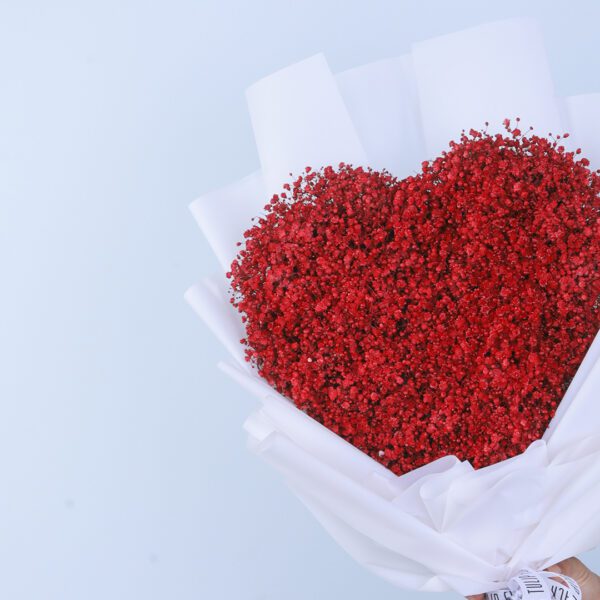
<point x="487" y="73"/>
<point x="299" y="120"/>
<point x="223" y="215"/>
<point x="209" y="300"/>
<point x="444" y="525"/>
<point x="383" y="102"/>
<point x="583" y="122"/>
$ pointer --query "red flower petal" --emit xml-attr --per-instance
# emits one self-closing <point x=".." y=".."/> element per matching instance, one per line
<point x="442" y="314"/>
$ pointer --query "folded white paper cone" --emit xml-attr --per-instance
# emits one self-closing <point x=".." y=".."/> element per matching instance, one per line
<point x="583" y="123"/>
<point x="210" y="303"/>
<point x="299" y="120"/>
<point x="224" y="214"/>
<point x="487" y="73"/>
<point x="383" y="102"/>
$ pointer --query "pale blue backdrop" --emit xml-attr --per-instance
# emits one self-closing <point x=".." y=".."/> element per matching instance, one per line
<point x="123" y="468"/>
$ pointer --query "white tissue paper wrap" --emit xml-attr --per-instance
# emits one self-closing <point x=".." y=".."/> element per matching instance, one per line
<point x="444" y="526"/>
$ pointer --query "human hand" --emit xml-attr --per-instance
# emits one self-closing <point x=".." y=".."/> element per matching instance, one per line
<point x="587" y="580"/>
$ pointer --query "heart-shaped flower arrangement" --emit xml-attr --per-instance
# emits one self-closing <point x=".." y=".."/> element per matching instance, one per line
<point x="442" y="314"/>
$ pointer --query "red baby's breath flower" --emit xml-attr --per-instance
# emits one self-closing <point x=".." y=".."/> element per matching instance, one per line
<point x="442" y="314"/>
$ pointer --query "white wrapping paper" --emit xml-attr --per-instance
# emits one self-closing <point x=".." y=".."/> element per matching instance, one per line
<point x="383" y="102"/>
<point x="487" y="73"/>
<point x="235" y="204"/>
<point x="583" y="119"/>
<point x="299" y="119"/>
<point x="445" y="525"/>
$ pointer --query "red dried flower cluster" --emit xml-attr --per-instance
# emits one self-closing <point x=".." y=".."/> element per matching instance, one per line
<point x="442" y="314"/>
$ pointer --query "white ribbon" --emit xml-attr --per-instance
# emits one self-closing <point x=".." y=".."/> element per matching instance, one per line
<point x="538" y="585"/>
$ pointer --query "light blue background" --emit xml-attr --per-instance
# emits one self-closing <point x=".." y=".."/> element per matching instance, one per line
<point x="123" y="469"/>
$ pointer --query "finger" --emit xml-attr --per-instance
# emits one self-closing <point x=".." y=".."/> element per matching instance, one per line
<point x="554" y="568"/>
<point x="574" y="568"/>
<point x="557" y="568"/>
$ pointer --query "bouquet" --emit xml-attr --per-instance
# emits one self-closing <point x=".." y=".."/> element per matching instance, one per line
<point x="418" y="318"/>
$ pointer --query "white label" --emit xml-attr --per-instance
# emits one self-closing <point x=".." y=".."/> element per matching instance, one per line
<point x="538" y="585"/>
